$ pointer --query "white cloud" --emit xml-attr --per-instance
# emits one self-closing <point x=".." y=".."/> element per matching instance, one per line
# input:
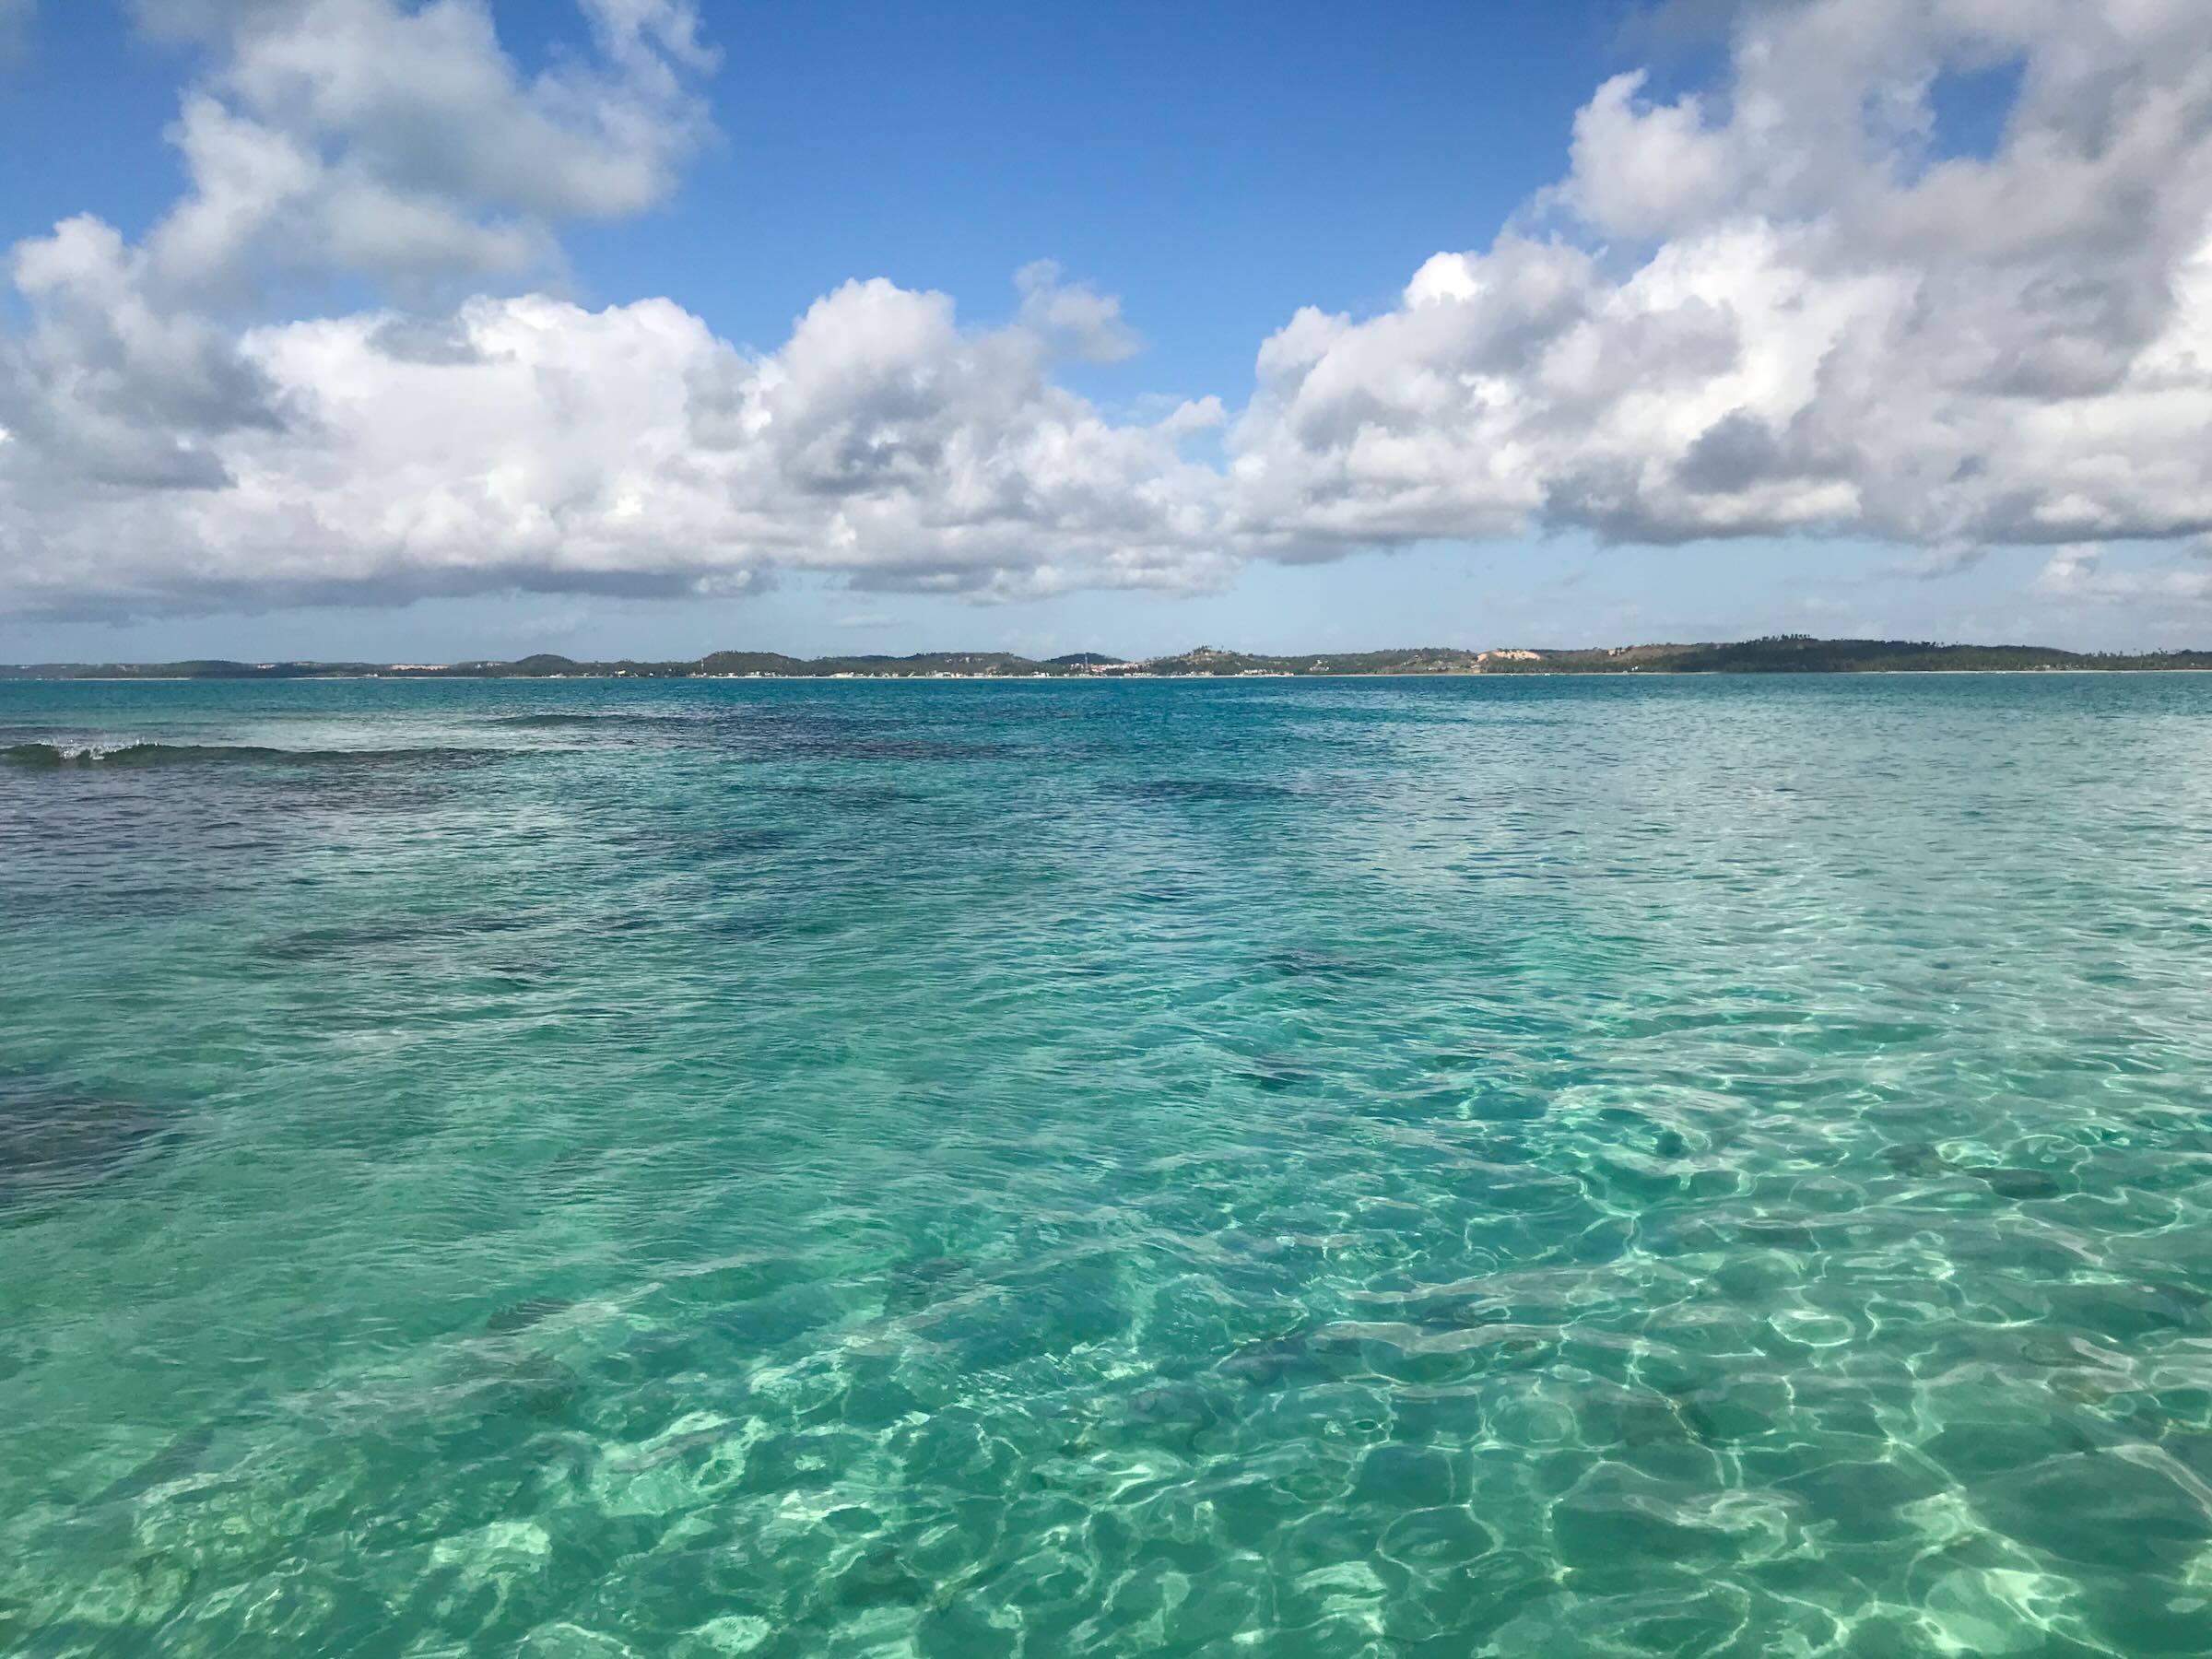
<point x="109" y="389"/>
<point x="638" y="28"/>
<point x="527" y="441"/>
<point x="329" y="138"/>
<point x="1079" y="322"/>
<point x="1783" y="310"/>
<point x="375" y="137"/>
<point x="1776" y="306"/>
<point x="2081" y="575"/>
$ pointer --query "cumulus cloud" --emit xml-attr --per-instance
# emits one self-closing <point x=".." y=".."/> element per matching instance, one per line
<point x="1077" y="318"/>
<point x="151" y="458"/>
<point x="529" y="442"/>
<point x="1781" y="304"/>
<point x="110" y="388"/>
<point x="373" y="137"/>
<point x="1785" y="309"/>
<point x="328" y="138"/>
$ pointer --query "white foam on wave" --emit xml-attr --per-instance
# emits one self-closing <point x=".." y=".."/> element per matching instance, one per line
<point x="97" y="748"/>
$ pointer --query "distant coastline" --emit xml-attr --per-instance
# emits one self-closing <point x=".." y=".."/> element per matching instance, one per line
<point x="1788" y="654"/>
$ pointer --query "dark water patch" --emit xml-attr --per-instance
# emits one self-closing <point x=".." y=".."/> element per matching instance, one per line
<point x="1165" y="896"/>
<point x="1230" y="790"/>
<point x="181" y="1457"/>
<point x="1294" y="1357"/>
<point x="583" y="722"/>
<point x="55" y="1141"/>
<point x="1278" y="1074"/>
<point x="759" y="736"/>
<point x="855" y="798"/>
<point x="621" y="922"/>
<point x="751" y="928"/>
<point x="1917" y="1159"/>
<point x="2128" y="1315"/>
<point x="1500" y="1104"/>
<point x="1635" y="1132"/>
<point x="904" y="749"/>
<point x="1047" y="1310"/>
<point x="881" y="1579"/>
<point x="1328" y="965"/>
<point x="537" y="1388"/>
<point x="318" y="943"/>
<point x="1438" y="1311"/>
<point x="1048" y="707"/>
<point x="761" y="1327"/>
<point x="1187" y="1416"/>
<point x="715" y="842"/>
<point x="917" y="1283"/>
<point x="924" y="748"/>
<point x="530" y="1311"/>
<point x="2099" y="1510"/>
<point x="2022" y="1183"/>
<point x="509" y="973"/>
<point x="2197" y="1298"/>
<point x="101" y="902"/>
<point x="1180" y="1405"/>
<point x="780" y="923"/>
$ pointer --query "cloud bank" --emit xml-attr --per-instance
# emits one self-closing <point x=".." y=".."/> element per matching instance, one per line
<point x="1779" y="305"/>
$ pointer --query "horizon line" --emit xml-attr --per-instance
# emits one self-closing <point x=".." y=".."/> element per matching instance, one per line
<point x="1496" y="658"/>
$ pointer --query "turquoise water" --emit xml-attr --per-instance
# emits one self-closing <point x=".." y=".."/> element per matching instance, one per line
<point x="1340" y="1168"/>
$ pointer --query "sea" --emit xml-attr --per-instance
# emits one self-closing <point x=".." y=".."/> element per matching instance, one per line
<point x="1357" y="1169"/>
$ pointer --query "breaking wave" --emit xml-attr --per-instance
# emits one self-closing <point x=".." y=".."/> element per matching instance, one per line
<point x="55" y="756"/>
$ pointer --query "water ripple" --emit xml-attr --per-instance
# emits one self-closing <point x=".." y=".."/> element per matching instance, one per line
<point x="1326" y="1168"/>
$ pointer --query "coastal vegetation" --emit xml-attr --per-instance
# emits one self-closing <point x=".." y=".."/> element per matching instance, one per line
<point x="1778" y="654"/>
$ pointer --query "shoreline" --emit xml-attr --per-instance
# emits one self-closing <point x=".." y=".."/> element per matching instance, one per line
<point x="1080" y="679"/>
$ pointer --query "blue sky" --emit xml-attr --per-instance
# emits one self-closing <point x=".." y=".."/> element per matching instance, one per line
<point x="1212" y="169"/>
<point x="1218" y="166"/>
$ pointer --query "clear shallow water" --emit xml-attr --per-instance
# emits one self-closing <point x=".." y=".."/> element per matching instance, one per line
<point x="1304" y="1168"/>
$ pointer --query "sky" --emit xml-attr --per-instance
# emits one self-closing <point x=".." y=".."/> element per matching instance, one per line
<point x="422" y="329"/>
